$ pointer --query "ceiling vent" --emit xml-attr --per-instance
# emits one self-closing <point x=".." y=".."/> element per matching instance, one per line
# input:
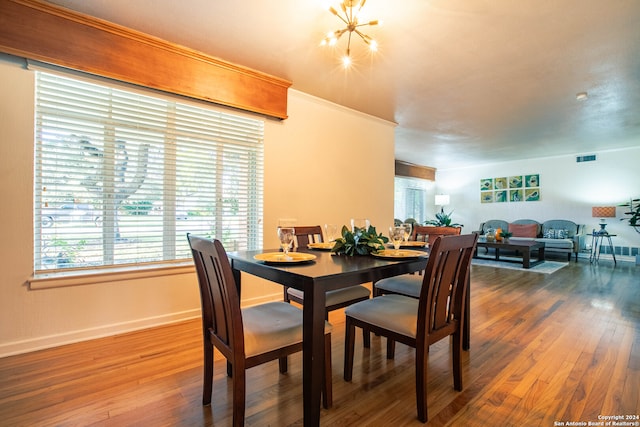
<point x="589" y="158"/>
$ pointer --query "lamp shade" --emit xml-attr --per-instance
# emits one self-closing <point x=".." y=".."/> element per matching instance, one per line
<point x="442" y="199"/>
<point x="602" y="211"/>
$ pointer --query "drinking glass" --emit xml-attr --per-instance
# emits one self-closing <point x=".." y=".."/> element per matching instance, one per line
<point x="359" y="223"/>
<point x="397" y="236"/>
<point x="331" y="232"/>
<point x="285" y="234"/>
<point x="407" y="230"/>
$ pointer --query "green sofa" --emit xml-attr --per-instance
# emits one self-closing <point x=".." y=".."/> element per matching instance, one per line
<point x="558" y="235"/>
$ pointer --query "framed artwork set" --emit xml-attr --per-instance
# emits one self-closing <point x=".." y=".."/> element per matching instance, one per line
<point x="517" y="188"/>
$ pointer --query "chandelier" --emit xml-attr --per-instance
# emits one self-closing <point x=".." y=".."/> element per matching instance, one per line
<point x="350" y="10"/>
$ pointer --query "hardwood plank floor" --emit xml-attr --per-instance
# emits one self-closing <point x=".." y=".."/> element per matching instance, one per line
<point x="545" y="350"/>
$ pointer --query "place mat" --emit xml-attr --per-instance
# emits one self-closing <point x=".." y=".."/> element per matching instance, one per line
<point x="281" y="258"/>
<point x="325" y="246"/>
<point x="400" y="254"/>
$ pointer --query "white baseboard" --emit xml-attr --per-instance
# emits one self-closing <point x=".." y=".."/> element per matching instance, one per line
<point x="39" y="343"/>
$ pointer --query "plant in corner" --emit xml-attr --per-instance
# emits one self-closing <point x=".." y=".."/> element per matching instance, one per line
<point x="442" y="220"/>
<point x="634" y="213"/>
<point x="362" y="242"/>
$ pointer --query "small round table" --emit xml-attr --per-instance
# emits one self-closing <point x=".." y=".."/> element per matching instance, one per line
<point x="596" y="245"/>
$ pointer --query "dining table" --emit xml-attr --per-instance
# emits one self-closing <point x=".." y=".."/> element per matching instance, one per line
<point x="326" y="272"/>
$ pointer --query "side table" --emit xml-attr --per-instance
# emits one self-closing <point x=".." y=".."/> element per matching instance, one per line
<point x="596" y="245"/>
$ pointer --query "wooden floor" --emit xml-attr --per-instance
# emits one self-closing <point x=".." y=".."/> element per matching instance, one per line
<point x="545" y="350"/>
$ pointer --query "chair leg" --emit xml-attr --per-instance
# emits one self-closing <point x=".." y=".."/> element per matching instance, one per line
<point x="391" y="348"/>
<point x="421" y="384"/>
<point x="207" y="387"/>
<point x="349" y="345"/>
<point x="229" y="369"/>
<point x="327" y="382"/>
<point x="282" y="362"/>
<point x="366" y="338"/>
<point x="239" y="396"/>
<point x="457" y="361"/>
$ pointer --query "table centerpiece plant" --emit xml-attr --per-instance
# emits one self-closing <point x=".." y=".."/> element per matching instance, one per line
<point x="505" y="236"/>
<point x="361" y="242"/>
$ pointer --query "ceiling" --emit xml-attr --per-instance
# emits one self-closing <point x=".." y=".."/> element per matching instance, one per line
<point x="466" y="81"/>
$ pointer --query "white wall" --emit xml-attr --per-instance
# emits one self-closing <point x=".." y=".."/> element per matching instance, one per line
<point x="333" y="185"/>
<point x="569" y="190"/>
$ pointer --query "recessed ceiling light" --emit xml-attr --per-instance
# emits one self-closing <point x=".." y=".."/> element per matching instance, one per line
<point x="582" y="96"/>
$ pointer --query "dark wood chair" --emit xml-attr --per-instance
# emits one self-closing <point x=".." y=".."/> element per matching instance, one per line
<point x="438" y="313"/>
<point x="335" y="299"/>
<point x="410" y="284"/>
<point x="426" y="233"/>
<point x="246" y="337"/>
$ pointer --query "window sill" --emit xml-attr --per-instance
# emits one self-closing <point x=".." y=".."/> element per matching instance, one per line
<point x="90" y="277"/>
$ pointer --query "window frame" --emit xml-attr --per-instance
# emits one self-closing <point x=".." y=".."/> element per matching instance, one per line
<point x="82" y="275"/>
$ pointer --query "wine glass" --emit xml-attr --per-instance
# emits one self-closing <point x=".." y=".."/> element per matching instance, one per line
<point x="397" y="236"/>
<point x="331" y="232"/>
<point x="360" y="224"/>
<point x="407" y="230"/>
<point x="285" y="234"/>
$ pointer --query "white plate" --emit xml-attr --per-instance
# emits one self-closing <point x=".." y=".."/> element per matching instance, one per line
<point x="281" y="258"/>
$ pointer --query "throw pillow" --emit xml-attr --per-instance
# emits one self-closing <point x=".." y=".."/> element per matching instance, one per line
<point x="549" y="233"/>
<point x="562" y="234"/>
<point x="524" y="230"/>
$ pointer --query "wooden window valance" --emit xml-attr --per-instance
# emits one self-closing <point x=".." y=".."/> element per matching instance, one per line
<point x="56" y="35"/>
<point x="415" y="171"/>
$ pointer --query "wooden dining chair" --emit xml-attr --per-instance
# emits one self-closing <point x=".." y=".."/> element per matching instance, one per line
<point x="418" y="323"/>
<point x="410" y="284"/>
<point x="335" y="299"/>
<point x="428" y="234"/>
<point x="246" y="337"/>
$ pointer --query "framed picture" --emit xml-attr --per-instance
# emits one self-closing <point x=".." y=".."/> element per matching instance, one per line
<point x="532" y="194"/>
<point x="486" y="184"/>
<point x="486" y="197"/>
<point x="500" y="196"/>
<point x="500" y="183"/>
<point x="532" y="180"/>
<point x="515" y="181"/>
<point x="516" y="196"/>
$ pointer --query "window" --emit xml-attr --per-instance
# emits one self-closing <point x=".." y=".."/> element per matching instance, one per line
<point x="409" y="198"/>
<point x="121" y="177"/>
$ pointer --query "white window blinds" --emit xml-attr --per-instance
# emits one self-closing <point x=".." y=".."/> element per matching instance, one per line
<point x="120" y="177"/>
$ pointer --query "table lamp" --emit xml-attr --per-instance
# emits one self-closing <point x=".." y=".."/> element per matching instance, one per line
<point x="442" y="200"/>
<point x="603" y="212"/>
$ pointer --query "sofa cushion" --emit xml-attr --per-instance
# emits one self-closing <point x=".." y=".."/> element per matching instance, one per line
<point x="556" y="243"/>
<point x="524" y="230"/>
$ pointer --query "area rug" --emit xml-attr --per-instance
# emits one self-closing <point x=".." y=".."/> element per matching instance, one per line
<point x="547" y="267"/>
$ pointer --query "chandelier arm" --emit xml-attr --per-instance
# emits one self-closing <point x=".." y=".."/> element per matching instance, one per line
<point x="364" y="37"/>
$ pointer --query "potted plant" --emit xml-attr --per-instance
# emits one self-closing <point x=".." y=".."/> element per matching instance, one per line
<point x="443" y="219"/>
<point x="634" y="213"/>
<point x="505" y="236"/>
<point x="361" y="242"/>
